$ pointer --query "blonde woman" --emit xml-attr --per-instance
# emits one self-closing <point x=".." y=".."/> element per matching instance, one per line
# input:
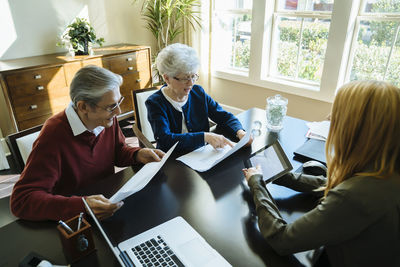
<point x="358" y="220"/>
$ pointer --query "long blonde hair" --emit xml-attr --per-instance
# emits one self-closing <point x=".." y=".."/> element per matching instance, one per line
<point x="364" y="136"/>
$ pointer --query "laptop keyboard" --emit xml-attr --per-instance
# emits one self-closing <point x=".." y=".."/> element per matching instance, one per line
<point x="155" y="252"/>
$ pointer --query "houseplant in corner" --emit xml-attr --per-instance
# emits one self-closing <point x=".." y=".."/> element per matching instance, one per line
<point x="78" y="36"/>
<point x="165" y="19"/>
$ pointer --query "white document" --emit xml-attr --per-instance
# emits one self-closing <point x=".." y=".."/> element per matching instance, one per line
<point x="141" y="178"/>
<point x="206" y="157"/>
<point x="318" y="130"/>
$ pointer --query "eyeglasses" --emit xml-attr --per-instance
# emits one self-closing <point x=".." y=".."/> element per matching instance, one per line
<point x="192" y="78"/>
<point x="113" y="107"/>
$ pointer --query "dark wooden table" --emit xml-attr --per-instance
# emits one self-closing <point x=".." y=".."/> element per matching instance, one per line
<point x="212" y="202"/>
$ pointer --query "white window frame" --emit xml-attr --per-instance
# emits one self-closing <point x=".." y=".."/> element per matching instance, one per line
<point x="237" y="11"/>
<point x="343" y="19"/>
<point x="274" y="50"/>
<point x="362" y="15"/>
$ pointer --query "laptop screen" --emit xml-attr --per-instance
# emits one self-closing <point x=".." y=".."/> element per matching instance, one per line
<point x="118" y="256"/>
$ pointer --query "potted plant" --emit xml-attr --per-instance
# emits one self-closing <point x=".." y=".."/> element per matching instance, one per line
<point x="78" y="35"/>
<point x="165" y="20"/>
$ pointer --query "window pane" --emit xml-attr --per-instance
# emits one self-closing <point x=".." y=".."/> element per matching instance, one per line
<point x="288" y="43"/>
<point x="306" y="5"/>
<point x="393" y="72"/>
<point x="382" y="6"/>
<point x="304" y="62"/>
<point x="374" y="43"/>
<point x="233" y="4"/>
<point x="231" y="41"/>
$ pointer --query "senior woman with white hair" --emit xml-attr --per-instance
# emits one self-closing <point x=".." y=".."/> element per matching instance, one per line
<point x="179" y="111"/>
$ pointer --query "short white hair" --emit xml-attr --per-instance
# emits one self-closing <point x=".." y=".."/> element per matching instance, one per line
<point x="91" y="82"/>
<point x="177" y="59"/>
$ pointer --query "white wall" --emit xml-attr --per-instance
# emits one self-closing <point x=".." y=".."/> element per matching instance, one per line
<point x="30" y="28"/>
<point x="246" y="96"/>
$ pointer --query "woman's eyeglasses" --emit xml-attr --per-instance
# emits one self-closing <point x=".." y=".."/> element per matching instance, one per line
<point x="192" y="78"/>
<point x="113" y="107"/>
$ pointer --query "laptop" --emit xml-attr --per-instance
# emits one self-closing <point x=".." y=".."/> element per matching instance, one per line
<point x="172" y="243"/>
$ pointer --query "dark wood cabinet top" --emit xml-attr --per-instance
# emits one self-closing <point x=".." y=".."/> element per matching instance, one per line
<point x="60" y="58"/>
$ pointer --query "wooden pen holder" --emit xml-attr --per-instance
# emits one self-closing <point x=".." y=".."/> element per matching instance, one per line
<point x="79" y="243"/>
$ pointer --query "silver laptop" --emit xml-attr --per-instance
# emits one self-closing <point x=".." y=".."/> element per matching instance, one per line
<point x="172" y="243"/>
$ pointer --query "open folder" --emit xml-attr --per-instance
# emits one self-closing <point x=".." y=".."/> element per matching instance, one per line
<point x="206" y="157"/>
<point x="141" y="178"/>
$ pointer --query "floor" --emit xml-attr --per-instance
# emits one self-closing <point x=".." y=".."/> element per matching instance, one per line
<point x="10" y="176"/>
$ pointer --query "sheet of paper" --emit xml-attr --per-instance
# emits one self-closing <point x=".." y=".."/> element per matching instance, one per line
<point x="141" y="178"/>
<point x="318" y="130"/>
<point x="206" y="157"/>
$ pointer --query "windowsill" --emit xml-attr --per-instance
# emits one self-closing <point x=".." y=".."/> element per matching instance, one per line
<point x="281" y="85"/>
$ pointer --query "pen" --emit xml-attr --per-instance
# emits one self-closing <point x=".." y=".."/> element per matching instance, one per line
<point x="66" y="227"/>
<point x="79" y="221"/>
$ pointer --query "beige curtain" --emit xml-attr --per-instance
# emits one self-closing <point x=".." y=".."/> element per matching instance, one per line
<point x="187" y="36"/>
<point x="200" y="39"/>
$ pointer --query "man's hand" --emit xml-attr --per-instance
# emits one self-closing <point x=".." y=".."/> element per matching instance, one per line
<point x="216" y="140"/>
<point x="241" y="133"/>
<point x="251" y="171"/>
<point x="146" y="155"/>
<point x="102" y="207"/>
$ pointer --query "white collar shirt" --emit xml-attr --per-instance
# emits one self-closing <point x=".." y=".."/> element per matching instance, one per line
<point x="76" y="124"/>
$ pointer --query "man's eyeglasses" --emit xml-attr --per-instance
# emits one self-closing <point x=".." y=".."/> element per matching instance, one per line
<point x="113" y="107"/>
<point x="192" y="78"/>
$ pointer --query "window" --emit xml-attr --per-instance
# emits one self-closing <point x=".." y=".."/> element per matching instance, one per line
<point x="376" y="46"/>
<point x="306" y="47"/>
<point x="300" y="37"/>
<point x="232" y="22"/>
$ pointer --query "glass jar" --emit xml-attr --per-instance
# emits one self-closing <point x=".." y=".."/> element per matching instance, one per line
<point x="276" y="111"/>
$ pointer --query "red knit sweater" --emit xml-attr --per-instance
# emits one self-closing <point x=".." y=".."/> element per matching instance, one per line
<point x="61" y="163"/>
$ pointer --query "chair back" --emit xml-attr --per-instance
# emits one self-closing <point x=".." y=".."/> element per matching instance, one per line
<point x="20" y="144"/>
<point x="139" y="98"/>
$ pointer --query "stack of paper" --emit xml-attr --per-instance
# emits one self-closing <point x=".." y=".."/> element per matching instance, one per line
<point x="206" y="157"/>
<point x="318" y="130"/>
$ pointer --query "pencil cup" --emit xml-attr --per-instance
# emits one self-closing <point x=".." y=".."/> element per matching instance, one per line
<point x="79" y="243"/>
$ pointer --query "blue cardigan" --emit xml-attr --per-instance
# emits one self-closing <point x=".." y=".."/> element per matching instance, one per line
<point x="166" y="121"/>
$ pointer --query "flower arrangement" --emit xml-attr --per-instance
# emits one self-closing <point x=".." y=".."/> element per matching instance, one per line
<point x="78" y="35"/>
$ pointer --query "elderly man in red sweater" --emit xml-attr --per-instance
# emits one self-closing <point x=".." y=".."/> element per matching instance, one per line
<point x="75" y="149"/>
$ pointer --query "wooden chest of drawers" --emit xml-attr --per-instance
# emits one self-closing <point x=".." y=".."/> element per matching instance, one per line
<point x="36" y="88"/>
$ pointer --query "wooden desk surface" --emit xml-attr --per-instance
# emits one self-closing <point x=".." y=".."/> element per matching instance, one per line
<point x="211" y="202"/>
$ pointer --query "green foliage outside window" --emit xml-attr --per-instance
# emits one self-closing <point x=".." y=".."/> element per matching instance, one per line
<point x="314" y="41"/>
<point x="370" y="59"/>
<point x="382" y="32"/>
<point x="242" y="56"/>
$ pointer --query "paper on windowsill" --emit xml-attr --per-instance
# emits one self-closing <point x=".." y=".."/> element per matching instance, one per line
<point x="206" y="157"/>
<point x="141" y="178"/>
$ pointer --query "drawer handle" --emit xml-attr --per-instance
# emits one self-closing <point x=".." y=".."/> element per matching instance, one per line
<point x="38" y="76"/>
<point x="138" y="80"/>
<point x="130" y="68"/>
<point x="33" y="106"/>
<point x="129" y="59"/>
<point x="40" y="87"/>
